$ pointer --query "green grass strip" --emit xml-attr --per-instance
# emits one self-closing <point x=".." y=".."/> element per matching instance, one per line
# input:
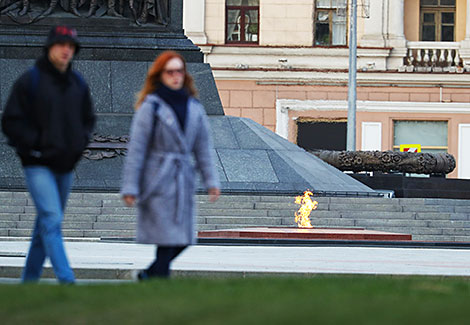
<point x="286" y="300"/>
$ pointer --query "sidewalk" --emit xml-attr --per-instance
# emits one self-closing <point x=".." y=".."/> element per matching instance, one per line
<point x="100" y="260"/>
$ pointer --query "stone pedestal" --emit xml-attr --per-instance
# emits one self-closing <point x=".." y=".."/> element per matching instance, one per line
<point x="314" y="233"/>
<point x="115" y="56"/>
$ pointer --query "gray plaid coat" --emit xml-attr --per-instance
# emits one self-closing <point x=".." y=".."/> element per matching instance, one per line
<point x="160" y="172"/>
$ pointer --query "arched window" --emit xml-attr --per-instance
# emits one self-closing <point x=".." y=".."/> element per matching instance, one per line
<point x="242" y="21"/>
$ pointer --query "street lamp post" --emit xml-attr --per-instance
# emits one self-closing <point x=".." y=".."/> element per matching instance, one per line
<point x="351" y="131"/>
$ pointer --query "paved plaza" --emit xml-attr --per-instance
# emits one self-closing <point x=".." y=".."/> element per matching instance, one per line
<point x="117" y="261"/>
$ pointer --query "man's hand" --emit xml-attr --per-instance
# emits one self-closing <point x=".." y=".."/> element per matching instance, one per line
<point x="129" y="200"/>
<point x="214" y="194"/>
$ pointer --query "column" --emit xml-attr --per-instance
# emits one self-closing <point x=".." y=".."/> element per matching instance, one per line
<point x="467" y="26"/>
<point x="194" y="15"/>
<point x="465" y="44"/>
<point x="374" y="26"/>
<point x="396" y="34"/>
<point x="396" y="28"/>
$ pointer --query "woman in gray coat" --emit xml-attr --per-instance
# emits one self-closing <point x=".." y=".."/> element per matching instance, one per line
<point x="169" y="128"/>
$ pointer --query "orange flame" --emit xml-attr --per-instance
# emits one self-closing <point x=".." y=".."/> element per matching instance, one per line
<point x="307" y="205"/>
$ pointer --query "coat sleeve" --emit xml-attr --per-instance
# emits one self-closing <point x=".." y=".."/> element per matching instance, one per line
<point x="140" y="136"/>
<point x="18" y="122"/>
<point x="203" y="153"/>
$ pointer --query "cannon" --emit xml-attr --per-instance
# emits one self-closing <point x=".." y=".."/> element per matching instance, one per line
<point x="388" y="161"/>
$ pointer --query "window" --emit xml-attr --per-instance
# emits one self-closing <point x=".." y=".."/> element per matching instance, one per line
<point x="431" y="135"/>
<point x="437" y="20"/>
<point x="330" y="22"/>
<point x="321" y="134"/>
<point x="242" y="21"/>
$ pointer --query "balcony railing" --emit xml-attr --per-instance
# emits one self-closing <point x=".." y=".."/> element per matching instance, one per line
<point x="433" y="57"/>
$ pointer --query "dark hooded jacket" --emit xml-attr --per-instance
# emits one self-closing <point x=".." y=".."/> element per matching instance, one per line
<point x="49" y="121"/>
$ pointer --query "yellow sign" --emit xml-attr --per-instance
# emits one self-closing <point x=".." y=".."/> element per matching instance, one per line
<point x="410" y="148"/>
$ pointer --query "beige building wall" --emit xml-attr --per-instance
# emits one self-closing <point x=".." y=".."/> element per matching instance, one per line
<point x="412" y="20"/>
<point x="282" y="23"/>
<point x="286" y="23"/>
<point x="215" y="21"/>
<point x="254" y="80"/>
<point x="257" y="101"/>
<point x="460" y="20"/>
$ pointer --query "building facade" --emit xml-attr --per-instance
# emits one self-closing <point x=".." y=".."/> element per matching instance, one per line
<point x="284" y="64"/>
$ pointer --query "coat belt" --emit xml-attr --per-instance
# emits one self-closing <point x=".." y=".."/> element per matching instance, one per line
<point x="181" y="161"/>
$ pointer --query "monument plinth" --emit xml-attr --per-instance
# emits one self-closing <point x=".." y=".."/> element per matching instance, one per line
<point x="304" y="234"/>
<point x="119" y="42"/>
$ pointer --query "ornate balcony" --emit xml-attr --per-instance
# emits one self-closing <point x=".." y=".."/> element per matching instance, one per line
<point x="433" y="57"/>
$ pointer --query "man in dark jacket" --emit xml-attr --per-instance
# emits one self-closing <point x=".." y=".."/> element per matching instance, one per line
<point x="48" y="119"/>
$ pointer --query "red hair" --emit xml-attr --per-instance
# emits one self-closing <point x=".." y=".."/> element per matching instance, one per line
<point x="153" y="79"/>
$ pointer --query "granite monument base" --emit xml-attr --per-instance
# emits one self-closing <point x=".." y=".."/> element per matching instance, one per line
<point x="417" y="187"/>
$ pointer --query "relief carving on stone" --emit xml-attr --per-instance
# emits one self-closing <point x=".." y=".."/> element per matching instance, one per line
<point x="140" y="11"/>
<point x="106" y="146"/>
<point x="389" y="161"/>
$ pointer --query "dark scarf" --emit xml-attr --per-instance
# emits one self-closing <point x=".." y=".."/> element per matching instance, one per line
<point x="46" y="65"/>
<point x="177" y="99"/>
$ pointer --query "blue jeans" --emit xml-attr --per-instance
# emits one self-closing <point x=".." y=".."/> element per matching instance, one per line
<point x="49" y="191"/>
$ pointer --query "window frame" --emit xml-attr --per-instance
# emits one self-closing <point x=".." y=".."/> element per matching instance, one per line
<point x="243" y="10"/>
<point x="330" y="11"/>
<point x="437" y="10"/>
<point x="396" y="147"/>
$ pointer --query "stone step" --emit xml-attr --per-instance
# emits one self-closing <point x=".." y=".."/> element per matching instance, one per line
<point x="201" y="227"/>
<point x="266" y="210"/>
<point x="431" y="201"/>
<point x="65" y="225"/>
<point x="116" y="218"/>
<point x="118" y="211"/>
<point x="441" y="216"/>
<point x="228" y="205"/>
<point x="28" y="232"/>
<point x="12" y="209"/>
<point x="114" y="225"/>
<point x="13" y="202"/>
<point x="362" y="201"/>
<point x="377" y="215"/>
<point x="232" y="212"/>
<point x="103" y="215"/>
<point x="243" y="220"/>
<point x="367" y="223"/>
<point x="268" y="202"/>
<point x="441" y="238"/>
<point x="70" y="210"/>
<point x="449" y="224"/>
<point x="118" y="233"/>
<point x="456" y="231"/>
<point x="9" y="216"/>
<point x="414" y="231"/>
<point x="432" y="208"/>
<point x="67" y="217"/>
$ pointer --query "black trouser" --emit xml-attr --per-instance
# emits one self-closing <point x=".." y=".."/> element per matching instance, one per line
<point x="161" y="266"/>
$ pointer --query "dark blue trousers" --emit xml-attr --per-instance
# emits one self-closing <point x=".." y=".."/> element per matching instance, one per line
<point x="161" y="266"/>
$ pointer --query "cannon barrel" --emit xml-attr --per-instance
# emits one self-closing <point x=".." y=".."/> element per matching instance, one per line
<point x="388" y="161"/>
